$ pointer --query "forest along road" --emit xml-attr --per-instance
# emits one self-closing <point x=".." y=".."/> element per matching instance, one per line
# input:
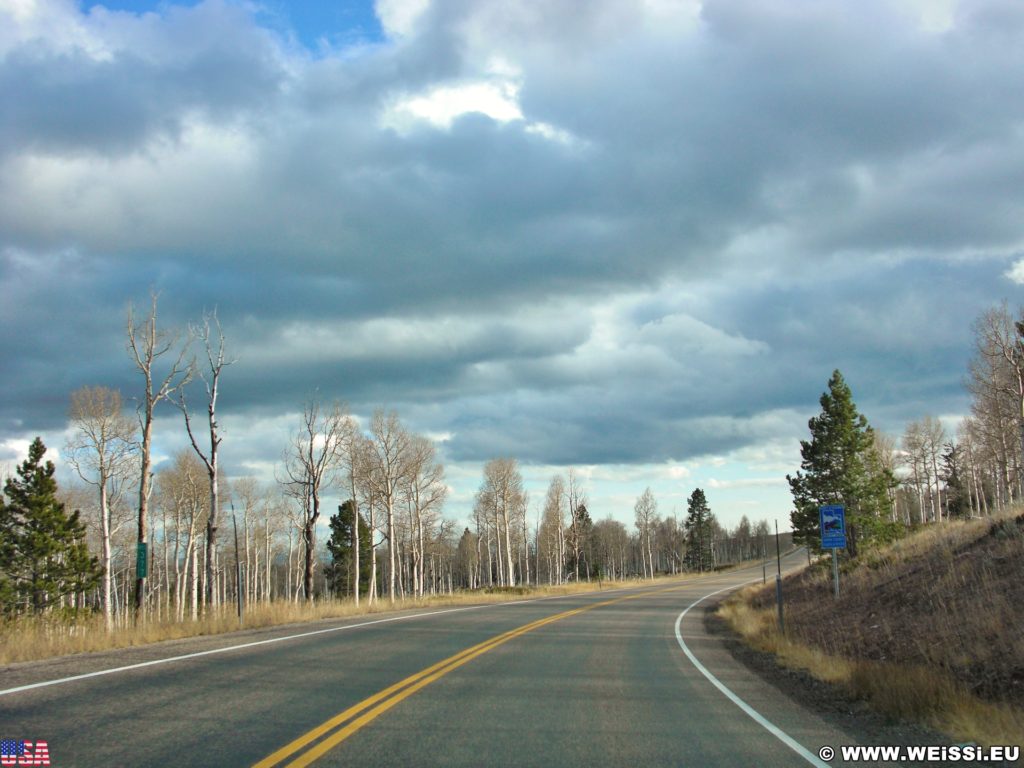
<point x="607" y="678"/>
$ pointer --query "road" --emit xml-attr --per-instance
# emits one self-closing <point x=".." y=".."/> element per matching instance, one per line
<point x="595" y="679"/>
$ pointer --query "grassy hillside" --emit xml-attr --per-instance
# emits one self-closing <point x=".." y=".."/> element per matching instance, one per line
<point x="929" y="629"/>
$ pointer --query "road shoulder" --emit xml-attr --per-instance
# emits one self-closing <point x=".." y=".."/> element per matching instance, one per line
<point x="854" y="718"/>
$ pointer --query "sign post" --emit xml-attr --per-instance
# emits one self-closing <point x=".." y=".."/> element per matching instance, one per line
<point x="832" y="518"/>
<point x="778" y="580"/>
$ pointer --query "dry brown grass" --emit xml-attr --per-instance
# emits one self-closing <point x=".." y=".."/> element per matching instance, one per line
<point x="929" y="629"/>
<point x="30" y="638"/>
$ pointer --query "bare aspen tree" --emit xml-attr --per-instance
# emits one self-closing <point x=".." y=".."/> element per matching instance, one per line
<point x="310" y="465"/>
<point x="275" y="517"/>
<point x="645" y="511"/>
<point x="934" y="436"/>
<point x="354" y="448"/>
<point x="102" y="452"/>
<point x="999" y="368"/>
<point x="391" y="463"/>
<point x="526" y="541"/>
<point x="914" y="456"/>
<point x="922" y="447"/>
<point x="246" y="492"/>
<point x="967" y="435"/>
<point x="553" y="527"/>
<point x="181" y="487"/>
<point x="512" y="498"/>
<point x="577" y="499"/>
<point x="484" y="502"/>
<point x="364" y="456"/>
<point x="425" y="493"/>
<point x="995" y="383"/>
<point x="147" y="344"/>
<point x="210" y="374"/>
<point x="499" y="497"/>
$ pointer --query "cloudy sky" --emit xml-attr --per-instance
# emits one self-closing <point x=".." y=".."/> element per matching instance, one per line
<point x="634" y="236"/>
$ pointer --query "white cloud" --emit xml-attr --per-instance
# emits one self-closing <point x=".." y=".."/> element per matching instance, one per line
<point x="399" y="17"/>
<point x="553" y="133"/>
<point x="440" y="105"/>
<point x="935" y="16"/>
<point x="496" y="97"/>
<point x="745" y="482"/>
<point x="1016" y="272"/>
<point x="54" y="24"/>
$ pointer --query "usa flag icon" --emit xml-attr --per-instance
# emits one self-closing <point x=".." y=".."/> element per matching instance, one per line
<point x="19" y="752"/>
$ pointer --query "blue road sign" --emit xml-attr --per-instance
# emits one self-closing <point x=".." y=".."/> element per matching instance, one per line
<point x="833" y="526"/>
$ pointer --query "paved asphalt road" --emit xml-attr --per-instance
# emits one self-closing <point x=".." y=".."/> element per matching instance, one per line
<point x="586" y="680"/>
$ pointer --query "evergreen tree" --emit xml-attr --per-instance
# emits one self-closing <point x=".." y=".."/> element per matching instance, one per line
<point x="582" y="529"/>
<point x="699" y="528"/>
<point x="8" y="553"/>
<point x="840" y="465"/>
<point x="340" y="547"/>
<point x="957" y="498"/>
<point x="466" y="559"/>
<point x="44" y="555"/>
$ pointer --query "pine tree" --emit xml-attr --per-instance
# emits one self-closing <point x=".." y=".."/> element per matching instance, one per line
<point x="580" y="532"/>
<point x="699" y="528"/>
<point x="45" y="558"/>
<point x="8" y="553"/>
<point x="840" y="465"/>
<point x="340" y="547"/>
<point x="957" y="497"/>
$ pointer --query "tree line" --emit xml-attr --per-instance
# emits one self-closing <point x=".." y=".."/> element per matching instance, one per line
<point x="131" y="541"/>
<point x="928" y="475"/>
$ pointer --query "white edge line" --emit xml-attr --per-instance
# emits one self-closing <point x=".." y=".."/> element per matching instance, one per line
<point x="225" y="649"/>
<point x="756" y="716"/>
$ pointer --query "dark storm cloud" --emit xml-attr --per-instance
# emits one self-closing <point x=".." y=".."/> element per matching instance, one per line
<point x="693" y="222"/>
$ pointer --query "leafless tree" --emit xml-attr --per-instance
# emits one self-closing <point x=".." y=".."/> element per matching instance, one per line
<point x="354" y="464"/>
<point x="424" y="492"/>
<point x="147" y="344"/>
<point x="181" y="491"/>
<point x="310" y="465"/>
<point x="552" y="530"/>
<point x="646" y="511"/>
<point x="997" y="383"/>
<point x="390" y="464"/>
<point x="611" y="544"/>
<point x="500" y="501"/>
<point x="212" y="339"/>
<point x="364" y="482"/>
<point x="577" y="499"/>
<point x="102" y="451"/>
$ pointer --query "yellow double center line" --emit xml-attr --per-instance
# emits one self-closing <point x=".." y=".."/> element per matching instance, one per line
<point x="358" y="715"/>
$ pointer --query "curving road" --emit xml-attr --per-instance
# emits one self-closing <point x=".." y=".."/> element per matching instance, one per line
<point x="596" y="679"/>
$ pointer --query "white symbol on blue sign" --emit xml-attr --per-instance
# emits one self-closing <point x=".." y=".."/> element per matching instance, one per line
<point x="833" y="526"/>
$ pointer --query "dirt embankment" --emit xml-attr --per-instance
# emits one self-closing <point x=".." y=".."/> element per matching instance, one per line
<point x="930" y="628"/>
<point x="951" y="597"/>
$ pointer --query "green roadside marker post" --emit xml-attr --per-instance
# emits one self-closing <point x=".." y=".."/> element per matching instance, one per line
<point x="141" y="560"/>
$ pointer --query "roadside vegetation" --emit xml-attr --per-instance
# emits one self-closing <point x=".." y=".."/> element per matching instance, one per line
<point x="38" y="637"/>
<point x="928" y="625"/>
<point x="31" y="637"/>
<point x="925" y="629"/>
<point x="135" y="548"/>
